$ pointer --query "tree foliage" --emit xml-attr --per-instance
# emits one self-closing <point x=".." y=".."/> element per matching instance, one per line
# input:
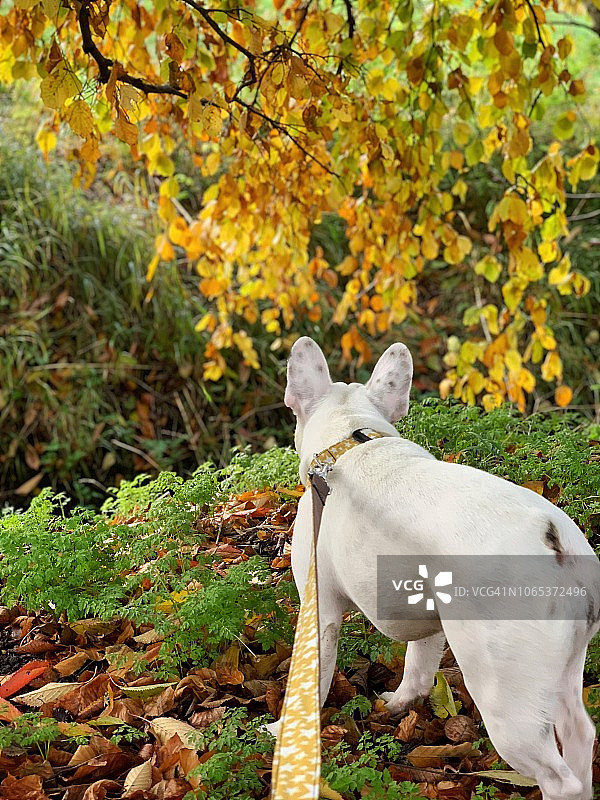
<point x="376" y="110"/>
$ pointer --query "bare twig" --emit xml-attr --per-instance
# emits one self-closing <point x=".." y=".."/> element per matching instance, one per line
<point x="350" y="18"/>
<point x="589" y="215"/>
<point x="537" y="24"/>
<point x="282" y="129"/>
<point x="205" y="14"/>
<point x="573" y="23"/>
<point x="300" y="23"/>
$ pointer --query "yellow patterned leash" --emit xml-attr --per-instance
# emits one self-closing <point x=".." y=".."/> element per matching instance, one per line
<point x="297" y="759"/>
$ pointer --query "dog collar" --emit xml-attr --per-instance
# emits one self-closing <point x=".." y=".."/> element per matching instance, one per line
<point x="323" y="462"/>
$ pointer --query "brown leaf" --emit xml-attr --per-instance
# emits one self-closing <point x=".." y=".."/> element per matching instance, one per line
<point x="27" y="488"/>
<point x="202" y="719"/>
<point x="535" y="486"/>
<point x="87" y="700"/>
<point x="341" y="689"/>
<point x="265" y="666"/>
<point x="139" y="777"/>
<point x="71" y="664"/>
<point x="333" y="734"/>
<point x="32" y="458"/>
<point x="406" y="727"/>
<point x="8" y="712"/>
<point x="28" y="788"/>
<point x="274" y="698"/>
<point x="432" y="756"/>
<point x="165" y="728"/>
<point x="99" y="789"/>
<point x="229" y="675"/>
<point x="460" y="729"/>
<point x="161" y="704"/>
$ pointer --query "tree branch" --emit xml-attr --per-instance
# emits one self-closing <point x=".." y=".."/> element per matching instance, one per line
<point x="282" y="129"/>
<point x="537" y="24"/>
<point x="224" y="36"/>
<point x="575" y="24"/>
<point x="105" y="65"/>
<point x="350" y="18"/>
<point x="300" y="23"/>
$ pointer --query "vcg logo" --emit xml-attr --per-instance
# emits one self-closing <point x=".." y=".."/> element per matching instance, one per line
<point x="417" y="586"/>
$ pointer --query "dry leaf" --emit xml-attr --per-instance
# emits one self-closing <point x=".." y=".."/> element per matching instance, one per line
<point x="47" y="694"/>
<point x="138" y="778"/>
<point x="164" y="728"/>
<point x="432" y="755"/>
<point x="506" y="776"/>
<point x="405" y="730"/>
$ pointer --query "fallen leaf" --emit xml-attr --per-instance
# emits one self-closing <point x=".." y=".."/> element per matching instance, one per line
<point x="433" y="755"/>
<point x="138" y="778"/>
<point x="461" y="729"/>
<point x="27" y="488"/>
<point x="405" y="730"/>
<point x="535" y="486"/>
<point x="144" y="692"/>
<point x="27" y="788"/>
<point x="47" y="694"/>
<point x="505" y="776"/>
<point x="71" y="664"/>
<point x="8" y="712"/>
<point x="164" y="728"/>
<point x="22" y="677"/>
<point x="441" y="699"/>
<point x="327" y="793"/>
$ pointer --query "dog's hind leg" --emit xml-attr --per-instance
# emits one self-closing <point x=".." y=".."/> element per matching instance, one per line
<point x="517" y="688"/>
<point x="420" y="665"/>
<point x="575" y="730"/>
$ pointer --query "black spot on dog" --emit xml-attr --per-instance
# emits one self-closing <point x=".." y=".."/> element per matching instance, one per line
<point x="391" y="384"/>
<point x="553" y="542"/>
<point x="592" y="613"/>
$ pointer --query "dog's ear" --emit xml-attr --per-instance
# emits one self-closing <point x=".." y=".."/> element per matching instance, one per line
<point x="307" y="377"/>
<point x="389" y="386"/>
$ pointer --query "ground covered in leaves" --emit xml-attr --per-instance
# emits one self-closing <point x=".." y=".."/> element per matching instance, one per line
<point x="165" y="641"/>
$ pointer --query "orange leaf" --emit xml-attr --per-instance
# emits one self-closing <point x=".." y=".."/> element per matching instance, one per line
<point x="8" y="712"/>
<point x="563" y="396"/>
<point x="22" y="677"/>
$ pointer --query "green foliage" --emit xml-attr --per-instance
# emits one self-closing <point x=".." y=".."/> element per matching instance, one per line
<point x="30" y="729"/>
<point x="140" y="559"/>
<point x="359" y="703"/>
<point x="551" y="446"/>
<point x="358" y="638"/>
<point x="238" y="747"/>
<point x="365" y="775"/>
<point x="277" y="467"/>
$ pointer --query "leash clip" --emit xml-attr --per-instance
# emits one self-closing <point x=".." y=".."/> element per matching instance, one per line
<point x="320" y="469"/>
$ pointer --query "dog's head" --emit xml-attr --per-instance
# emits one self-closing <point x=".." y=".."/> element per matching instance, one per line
<point x="337" y="409"/>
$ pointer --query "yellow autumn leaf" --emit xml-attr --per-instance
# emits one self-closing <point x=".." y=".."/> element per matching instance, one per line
<point x="125" y="130"/>
<point x="152" y="267"/>
<point x="80" y="118"/>
<point x="59" y="86"/>
<point x="552" y="367"/>
<point x="211" y="121"/>
<point x="46" y="141"/>
<point x="489" y="267"/>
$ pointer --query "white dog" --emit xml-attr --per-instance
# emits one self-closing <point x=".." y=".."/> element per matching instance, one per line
<point x="391" y="497"/>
